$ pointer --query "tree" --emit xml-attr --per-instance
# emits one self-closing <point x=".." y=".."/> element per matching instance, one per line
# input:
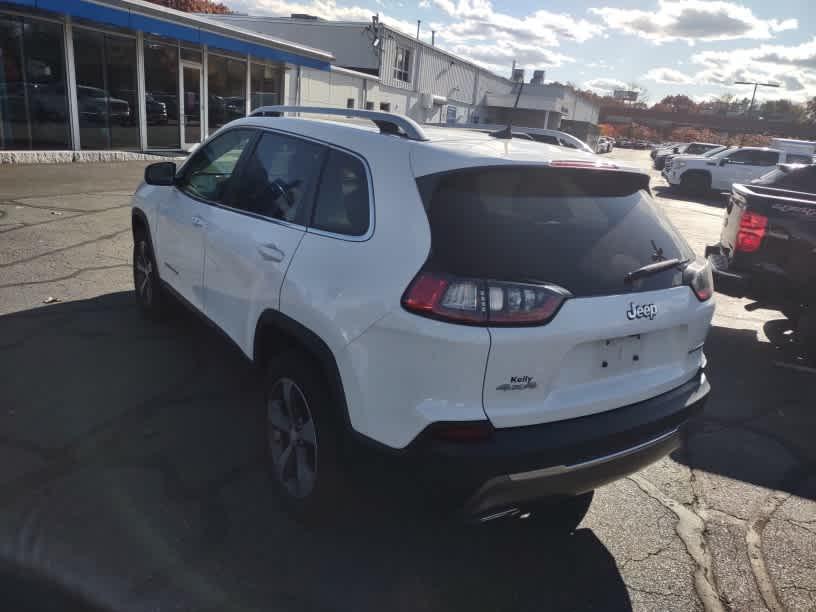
<point x="677" y="104"/>
<point x="782" y="109"/>
<point x="810" y="110"/>
<point x="194" y="6"/>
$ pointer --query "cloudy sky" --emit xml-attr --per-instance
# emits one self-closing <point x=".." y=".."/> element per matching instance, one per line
<point x="698" y="47"/>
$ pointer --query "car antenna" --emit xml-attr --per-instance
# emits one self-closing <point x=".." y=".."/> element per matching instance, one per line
<point x="507" y="132"/>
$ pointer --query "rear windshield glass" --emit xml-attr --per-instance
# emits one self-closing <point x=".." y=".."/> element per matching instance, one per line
<point x="583" y="230"/>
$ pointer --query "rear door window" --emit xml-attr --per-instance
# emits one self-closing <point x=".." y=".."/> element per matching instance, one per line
<point x="582" y="230"/>
<point x="764" y="158"/>
<point x="546" y="138"/>
<point x="342" y="205"/>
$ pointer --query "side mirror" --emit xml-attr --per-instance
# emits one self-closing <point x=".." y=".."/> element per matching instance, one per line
<point x="162" y="174"/>
<point x="723" y="161"/>
<point x="676" y="149"/>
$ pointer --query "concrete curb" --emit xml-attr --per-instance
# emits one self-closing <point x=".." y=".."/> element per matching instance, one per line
<point x="70" y="157"/>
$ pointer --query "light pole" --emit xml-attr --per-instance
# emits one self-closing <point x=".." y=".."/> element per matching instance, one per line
<point x="755" y="84"/>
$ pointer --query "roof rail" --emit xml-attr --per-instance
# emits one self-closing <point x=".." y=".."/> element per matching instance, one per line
<point x="389" y="123"/>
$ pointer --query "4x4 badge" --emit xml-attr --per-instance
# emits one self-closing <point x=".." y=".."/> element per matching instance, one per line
<point x="641" y="311"/>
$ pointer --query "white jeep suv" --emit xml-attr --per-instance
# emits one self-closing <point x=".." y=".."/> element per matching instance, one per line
<point x="519" y="322"/>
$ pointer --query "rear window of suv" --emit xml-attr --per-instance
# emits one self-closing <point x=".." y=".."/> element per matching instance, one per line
<point x="583" y="230"/>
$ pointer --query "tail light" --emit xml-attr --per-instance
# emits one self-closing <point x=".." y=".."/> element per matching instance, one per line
<point x="752" y="230"/>
<point x="482" y="302"/>
<point x="700" y="278"/>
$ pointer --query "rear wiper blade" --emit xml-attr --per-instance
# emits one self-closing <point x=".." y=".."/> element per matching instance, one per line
<point x="653" y="268"/>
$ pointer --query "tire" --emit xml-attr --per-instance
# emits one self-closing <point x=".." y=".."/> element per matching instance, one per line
<point x="303" y="433"/>
<point x="147" y="285"/>
<point x="695" y="183"/>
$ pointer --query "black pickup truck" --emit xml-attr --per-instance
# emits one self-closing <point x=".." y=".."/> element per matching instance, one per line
<point x="767" y="248"/>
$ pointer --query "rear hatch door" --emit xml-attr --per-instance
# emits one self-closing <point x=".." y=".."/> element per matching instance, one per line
<point x="612" y="343"/>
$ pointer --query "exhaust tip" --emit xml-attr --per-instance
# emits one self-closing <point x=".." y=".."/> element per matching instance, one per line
<point x="507" y="513"/>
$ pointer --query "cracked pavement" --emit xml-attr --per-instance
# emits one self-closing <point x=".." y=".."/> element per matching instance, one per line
<point x="131" y="465"/>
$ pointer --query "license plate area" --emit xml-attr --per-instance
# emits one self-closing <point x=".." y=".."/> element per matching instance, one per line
<point x="619" y="355"/>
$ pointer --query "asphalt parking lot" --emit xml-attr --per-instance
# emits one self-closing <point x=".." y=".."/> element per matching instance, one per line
<point x="131" y="456"/>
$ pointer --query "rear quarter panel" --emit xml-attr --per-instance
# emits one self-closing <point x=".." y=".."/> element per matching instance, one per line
<point x="339" y="288"/>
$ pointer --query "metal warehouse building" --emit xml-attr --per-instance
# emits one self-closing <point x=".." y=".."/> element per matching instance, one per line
<point x="131" y="75"/>
<point x="424" y="81"/>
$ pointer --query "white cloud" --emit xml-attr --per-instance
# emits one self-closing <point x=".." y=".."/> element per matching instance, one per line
<point x="604" y="86"/>
<point x="325" y="9"/>
<point x="478" y="20"/>
<point x="498" y="57"/>
<point x="494" y="39"/>
<point x="692" y="21"/>
<point x="792" y="67"/>
<point x="668" y="76"/>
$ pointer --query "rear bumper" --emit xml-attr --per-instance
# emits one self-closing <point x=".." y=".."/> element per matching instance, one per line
<point x="727" y="281"/>
<point x="560" y="459"/>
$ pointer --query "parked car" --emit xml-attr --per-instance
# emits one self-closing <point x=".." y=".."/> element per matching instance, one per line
<point x="670" y="159"/>
<point x="605" y="145"/>
<point x="553" y="137"/>
<point x="98" y="106"/>
<point x="767" y="247"/>
<point x="156" y="111"/>
<point x="551" y="344"/>
<point x="690" y="148"/>
<point x="698" y="175"/>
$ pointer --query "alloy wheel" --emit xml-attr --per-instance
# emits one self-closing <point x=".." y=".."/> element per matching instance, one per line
<point x="292" y="438"/>
<point x="143" y="273"/>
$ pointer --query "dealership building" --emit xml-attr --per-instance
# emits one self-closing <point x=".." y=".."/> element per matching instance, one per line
<point x="134" y="76"/>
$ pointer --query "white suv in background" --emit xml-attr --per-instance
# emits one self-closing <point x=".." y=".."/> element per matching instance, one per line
<point x="698" y="175"/>
<point x="516" y="322"/>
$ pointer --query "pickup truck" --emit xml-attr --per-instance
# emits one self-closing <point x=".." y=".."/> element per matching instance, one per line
<point x="767" y="247"/>
<point x="699" y="175"/>
<point x="690" y="148"/>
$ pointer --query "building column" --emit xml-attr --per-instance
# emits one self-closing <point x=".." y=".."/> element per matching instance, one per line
<point x="141" y="98"/>
<point x="205" y="88"/>
<point x="248" y="96"/>
<point x="70" y="83"/>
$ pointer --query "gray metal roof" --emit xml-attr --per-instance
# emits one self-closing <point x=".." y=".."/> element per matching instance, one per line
<point x="215" y="26"/>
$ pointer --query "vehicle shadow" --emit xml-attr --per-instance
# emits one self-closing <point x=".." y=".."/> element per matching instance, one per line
<point x="758" y="424"/>
<point x="132" y="470"/>
<point x="715" y="199"/>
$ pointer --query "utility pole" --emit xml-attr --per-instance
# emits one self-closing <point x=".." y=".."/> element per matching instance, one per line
<point x="753" y="96"/>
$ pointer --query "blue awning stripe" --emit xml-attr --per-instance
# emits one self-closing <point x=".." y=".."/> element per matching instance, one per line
<point x="150" y="25"/>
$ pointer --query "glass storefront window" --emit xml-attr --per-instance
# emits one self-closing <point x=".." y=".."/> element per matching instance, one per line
<point x="161" y="95"/>
<point x="33" y="96"/>
<point x="226" y="94"/>
<point x="106" y="90"/>
<point x="190" y="55"/>
<point x="265" y="85"/>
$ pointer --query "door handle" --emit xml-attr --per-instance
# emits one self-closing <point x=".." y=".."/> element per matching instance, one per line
<point x="198" y="221"/>
<point x="271" y="252"/>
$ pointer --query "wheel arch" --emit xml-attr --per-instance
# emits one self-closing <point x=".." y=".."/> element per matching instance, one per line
<point x="697" y="172"/>
<point x="138" y="220"/>
<point x="276" y="333"/>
